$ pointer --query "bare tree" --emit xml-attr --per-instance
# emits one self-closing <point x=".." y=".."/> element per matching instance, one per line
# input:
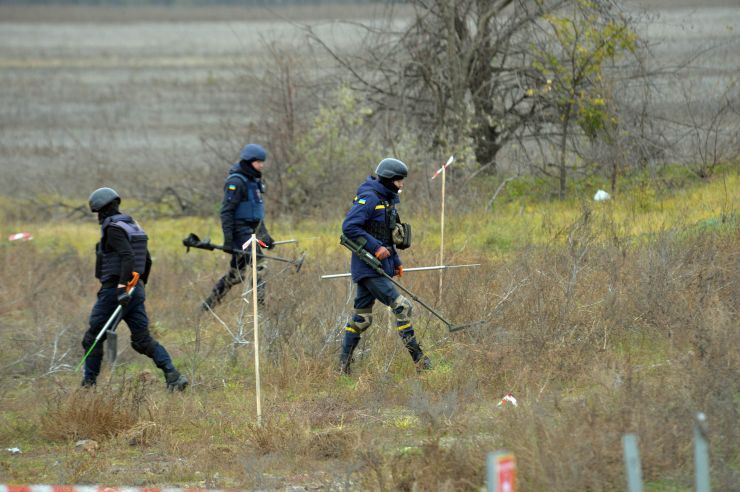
<point x="457" y="72"/>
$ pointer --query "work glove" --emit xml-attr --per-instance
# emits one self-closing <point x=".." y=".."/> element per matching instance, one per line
<point x="267" y="239"/>
<point x="228" y="241"/>
<point x="123" y="297"/>
<point x="382" y="253"/>
<point x="399" y="271"/>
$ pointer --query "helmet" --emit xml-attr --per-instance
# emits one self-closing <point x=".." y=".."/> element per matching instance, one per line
<point x="253" y="152"/>
<point x="102" y="197"/>
<point x="392" y="169"/>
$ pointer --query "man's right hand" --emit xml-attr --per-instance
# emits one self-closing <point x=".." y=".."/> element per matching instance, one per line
<point x="382" y="253"/>
<point x="123" y="297"/>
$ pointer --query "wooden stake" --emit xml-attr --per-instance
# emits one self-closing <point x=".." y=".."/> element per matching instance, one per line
<point x="256" y="331"/>
<point x="442" y="233"/>
<point x="443" y="171"/>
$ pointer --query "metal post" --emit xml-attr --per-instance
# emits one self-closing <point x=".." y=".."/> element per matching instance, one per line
<point x="500" y="472"/>
<point x="632" y="463"/>
<point x="701" y="454"/>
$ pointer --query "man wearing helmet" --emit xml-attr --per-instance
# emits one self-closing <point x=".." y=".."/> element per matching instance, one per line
<point x="121" y="251"/>
<point x="373" y="217"/>
<point x="242" y="213"/>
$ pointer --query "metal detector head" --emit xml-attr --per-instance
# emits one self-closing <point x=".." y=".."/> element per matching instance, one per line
<point x="111" y="345"/>
<point x="454" y="328"/>
<point x="299" y="262"/>
<point x="193" y="241"/>
<point x="190" y="241"/>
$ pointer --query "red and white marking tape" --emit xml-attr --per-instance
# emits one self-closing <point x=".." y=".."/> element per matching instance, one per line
<point x="93" y="488"/>
<point x="508" y="398"/>
<point x="20" y="236"/>
<point x="439" y="171"/>
<point x="249" y="241"/>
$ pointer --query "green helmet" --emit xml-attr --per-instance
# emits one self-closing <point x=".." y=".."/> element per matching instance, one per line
<point x="102" y="197"/>
<point x="392" y="169"/>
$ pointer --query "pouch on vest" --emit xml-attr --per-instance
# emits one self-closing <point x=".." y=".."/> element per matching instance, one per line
<point x="402" y="235"/>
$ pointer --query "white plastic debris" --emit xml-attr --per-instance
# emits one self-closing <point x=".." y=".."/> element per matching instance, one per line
<point x="20" y="236"/>
<point x="507" y="399"/>
<point x="601" y="196"/>
<point x="14" y="450"/>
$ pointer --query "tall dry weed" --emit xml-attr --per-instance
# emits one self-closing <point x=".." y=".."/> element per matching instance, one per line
<point x="98" y="413"/>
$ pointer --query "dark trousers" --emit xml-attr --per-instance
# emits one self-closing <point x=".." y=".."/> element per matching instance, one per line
<point x="369" y="290"/>
<point x="237" y="270"/>
<point x="134" y="314"/>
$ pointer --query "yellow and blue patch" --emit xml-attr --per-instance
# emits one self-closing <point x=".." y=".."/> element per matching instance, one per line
<point x="232" y="187"/>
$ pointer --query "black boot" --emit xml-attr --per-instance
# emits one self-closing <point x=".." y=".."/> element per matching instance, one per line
<point x="217" y="294"/>
<point x="175" y="380"/>
<point x="211" y="301"/>
<point x="348" y="347"/>
<point x="421" y="361"/>
<point x="425" y="364"/>
<point x="88" y="383"/>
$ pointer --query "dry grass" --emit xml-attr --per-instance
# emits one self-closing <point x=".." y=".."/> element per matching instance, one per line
<point x="595" y="334"/>
<point x="99" y="413"/>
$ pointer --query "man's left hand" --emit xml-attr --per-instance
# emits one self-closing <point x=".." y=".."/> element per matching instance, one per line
<point x="269" y="242"/>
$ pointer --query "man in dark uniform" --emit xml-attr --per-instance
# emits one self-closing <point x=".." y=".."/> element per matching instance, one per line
<point x="121" y="251"/>
<point x="373" y="217"/>
<point x="242" y="213"/>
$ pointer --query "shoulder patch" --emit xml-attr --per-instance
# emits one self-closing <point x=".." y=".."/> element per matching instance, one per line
<point x="361" y="201"/>
<point x="232" y="187"/>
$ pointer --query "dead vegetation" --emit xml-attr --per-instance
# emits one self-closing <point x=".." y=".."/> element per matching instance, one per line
<point x="596" y="332"/>
<point x="595" y="338"/>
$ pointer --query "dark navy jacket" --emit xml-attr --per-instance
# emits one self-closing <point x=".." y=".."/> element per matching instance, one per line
<point x="369" y="206"/>
<point x="242" y="208"/>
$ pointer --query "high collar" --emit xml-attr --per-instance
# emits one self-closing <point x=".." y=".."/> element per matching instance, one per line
<point x="389" y="183"/>
<point x="107" y="212"/>
<point x="372" y="183"/>
<point x="246" y="168"/>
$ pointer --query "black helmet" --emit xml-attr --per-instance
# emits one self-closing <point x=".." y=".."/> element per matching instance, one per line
<point x="392" y="169"/>
<point x="253" y="152"/>
<point x="102" y="197"/>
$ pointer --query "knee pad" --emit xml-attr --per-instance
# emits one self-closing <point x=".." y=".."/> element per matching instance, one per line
<point x="402" y="308"/>
<point x="360" y="322"/>
<point x="144" y="344"/>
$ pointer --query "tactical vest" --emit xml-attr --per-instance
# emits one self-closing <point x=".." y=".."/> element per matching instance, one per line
<point x="383" y="231"/>
<point x="252" y="208"/>
<point x="110" y="262"/>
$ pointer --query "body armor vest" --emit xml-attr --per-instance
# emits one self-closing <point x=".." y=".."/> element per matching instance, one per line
<point x="110" y="262"/>
<point x="252" y="209"/>
<point x="383" y="231"/>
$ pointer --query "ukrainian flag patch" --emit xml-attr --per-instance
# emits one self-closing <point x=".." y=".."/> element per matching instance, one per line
<point x="361" y="201"/>
<point x="232" y="187"/>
